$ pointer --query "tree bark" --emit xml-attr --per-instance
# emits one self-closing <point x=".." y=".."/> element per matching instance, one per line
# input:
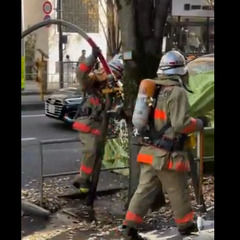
<point x="126" y="13"/>
<point x="142" y="25"/>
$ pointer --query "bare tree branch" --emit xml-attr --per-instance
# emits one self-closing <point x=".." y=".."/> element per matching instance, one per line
<point x="211" y="2"/>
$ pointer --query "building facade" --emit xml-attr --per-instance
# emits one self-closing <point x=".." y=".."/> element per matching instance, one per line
<point x="190" y="27"/>
<point x="88" y="15"/>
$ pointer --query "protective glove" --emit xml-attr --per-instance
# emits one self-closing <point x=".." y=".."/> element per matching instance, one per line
<point x="204" y="120"/>
<point x="96" y="51"/>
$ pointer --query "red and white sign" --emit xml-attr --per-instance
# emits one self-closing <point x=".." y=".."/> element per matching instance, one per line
<point x="47" y="7"/>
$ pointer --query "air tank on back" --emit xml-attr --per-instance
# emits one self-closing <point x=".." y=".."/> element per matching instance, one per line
<point x="143" y="103"/>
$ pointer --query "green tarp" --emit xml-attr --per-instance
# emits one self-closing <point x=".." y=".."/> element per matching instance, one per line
<point x="201" y="82"/>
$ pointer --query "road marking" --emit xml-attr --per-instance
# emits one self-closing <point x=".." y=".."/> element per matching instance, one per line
<point x="28" y="139"/>
<point x="35" y="115"/>
<point x="73" y="150"/>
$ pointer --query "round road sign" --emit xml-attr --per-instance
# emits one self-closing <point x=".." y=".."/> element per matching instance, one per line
<point x="47" y="7"/>
<point x="46" y="17"/>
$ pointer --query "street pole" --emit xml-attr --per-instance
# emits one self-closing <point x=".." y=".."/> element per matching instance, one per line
<point x="22" y="51"/>
<point x="60" y="46"/>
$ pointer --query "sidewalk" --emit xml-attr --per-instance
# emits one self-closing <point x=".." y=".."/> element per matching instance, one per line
<point x="32" y="88"/>
<point x="31" y="99"/>
<point x="61" y="226"/>
<point x="32" y="102"/>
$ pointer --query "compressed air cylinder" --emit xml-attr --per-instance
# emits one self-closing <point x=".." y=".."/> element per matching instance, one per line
<point x="142" y="107"/>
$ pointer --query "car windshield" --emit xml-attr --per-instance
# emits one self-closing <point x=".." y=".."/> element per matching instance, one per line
<point x="202" y="64"/>
<point x="69" y="89"/>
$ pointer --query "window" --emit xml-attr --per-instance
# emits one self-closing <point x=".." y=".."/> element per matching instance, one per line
<point x="193" y="39"/>
<point x="82" y="13"/>
<point x="211" y="38"/>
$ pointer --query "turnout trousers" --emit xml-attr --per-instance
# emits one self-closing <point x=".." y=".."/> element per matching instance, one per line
<point x="173" y="182"/>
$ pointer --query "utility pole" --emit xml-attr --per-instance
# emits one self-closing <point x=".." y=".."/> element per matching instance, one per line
<point x="22" y="51"/>
<point x="60" y="46"/>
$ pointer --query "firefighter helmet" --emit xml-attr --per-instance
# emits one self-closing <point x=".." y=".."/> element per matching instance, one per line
<point x="172" y="63"/>
<point x="116" y="64"/>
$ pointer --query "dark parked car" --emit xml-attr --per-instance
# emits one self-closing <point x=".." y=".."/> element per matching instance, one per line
<point x="63" y="104"/>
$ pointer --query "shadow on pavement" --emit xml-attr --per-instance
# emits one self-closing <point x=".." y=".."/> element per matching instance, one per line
<point x="32" y="224"/>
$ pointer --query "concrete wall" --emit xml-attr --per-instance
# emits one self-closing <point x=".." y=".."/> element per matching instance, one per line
<point x="33" y="13"/>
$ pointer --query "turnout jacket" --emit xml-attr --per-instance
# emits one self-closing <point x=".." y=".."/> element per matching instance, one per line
<point x="172" y="106"/>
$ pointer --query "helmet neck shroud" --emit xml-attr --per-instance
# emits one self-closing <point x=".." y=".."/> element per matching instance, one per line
<point x="176" y="78"/>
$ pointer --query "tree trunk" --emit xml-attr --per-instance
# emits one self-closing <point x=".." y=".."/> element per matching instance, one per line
<point x="112" y="28"/>
<point x="142" y="25"/>
<point x="126" y="13"/>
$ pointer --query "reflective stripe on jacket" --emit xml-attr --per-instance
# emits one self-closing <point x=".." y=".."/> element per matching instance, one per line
<point x="172" y="106"/>
<point x="94" y="102"/>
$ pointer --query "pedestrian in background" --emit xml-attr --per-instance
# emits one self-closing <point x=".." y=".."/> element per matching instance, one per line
<point x="82" y="58"/>
<point x="68" y="70"/>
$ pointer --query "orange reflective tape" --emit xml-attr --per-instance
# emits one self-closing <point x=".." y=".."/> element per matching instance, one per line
<point x="124" y="222"/>
<point x="187" y="218"/>
<point x="86" y="169"/>
<point x="160" y="114"/>
<point x="170" y="164"/>
<point x="182" y="166"/>
<point x="96" y="132"/>
<point x="191" y="127"/>
<point x="83" y="67"/>
<point x="130" y="216"/>
<point x="81" y="127"/>
<point x="94" y="101"/>
<point x="145" y="158"/>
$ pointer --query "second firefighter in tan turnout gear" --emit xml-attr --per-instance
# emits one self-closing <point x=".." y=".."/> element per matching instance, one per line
<point x="162" y="158"/>
<point x="92" y="82"/>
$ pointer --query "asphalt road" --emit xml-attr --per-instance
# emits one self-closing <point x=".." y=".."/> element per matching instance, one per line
<point x="58" y="158"/>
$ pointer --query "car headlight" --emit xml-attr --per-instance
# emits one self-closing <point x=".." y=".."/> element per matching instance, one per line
<point x="73" y="100"/>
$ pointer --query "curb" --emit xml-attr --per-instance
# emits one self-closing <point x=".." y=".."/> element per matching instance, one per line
<point x="36" y="93"/>
<point x="33" y="106"/>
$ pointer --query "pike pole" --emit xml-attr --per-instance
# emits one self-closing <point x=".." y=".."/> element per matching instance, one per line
<point x="201" y="145"/>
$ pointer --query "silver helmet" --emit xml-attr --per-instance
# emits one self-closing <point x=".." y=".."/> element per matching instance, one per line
<point x="172" y="63"/>
<point x="116" y="63"/>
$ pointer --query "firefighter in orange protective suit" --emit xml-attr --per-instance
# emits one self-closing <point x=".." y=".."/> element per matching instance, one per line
<point x="163" y="129"/>
<point x="92" y="82"/>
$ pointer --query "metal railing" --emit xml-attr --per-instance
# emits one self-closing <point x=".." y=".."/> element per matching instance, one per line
<point x="52" y="78"/>
<point x="71" y="140"/>
<point x="41" y="143"/>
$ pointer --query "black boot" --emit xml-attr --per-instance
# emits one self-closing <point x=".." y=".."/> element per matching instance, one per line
<point x="81" y="184"/>
<point x="129" y="233"/>
<point x="188" y="230"/>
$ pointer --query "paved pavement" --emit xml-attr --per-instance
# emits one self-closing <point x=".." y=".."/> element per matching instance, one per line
<point x="32" y="88"/>
<point x="63" y="227"/>
<point x="31" y="99"/>
<point x="57" y="158"/>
